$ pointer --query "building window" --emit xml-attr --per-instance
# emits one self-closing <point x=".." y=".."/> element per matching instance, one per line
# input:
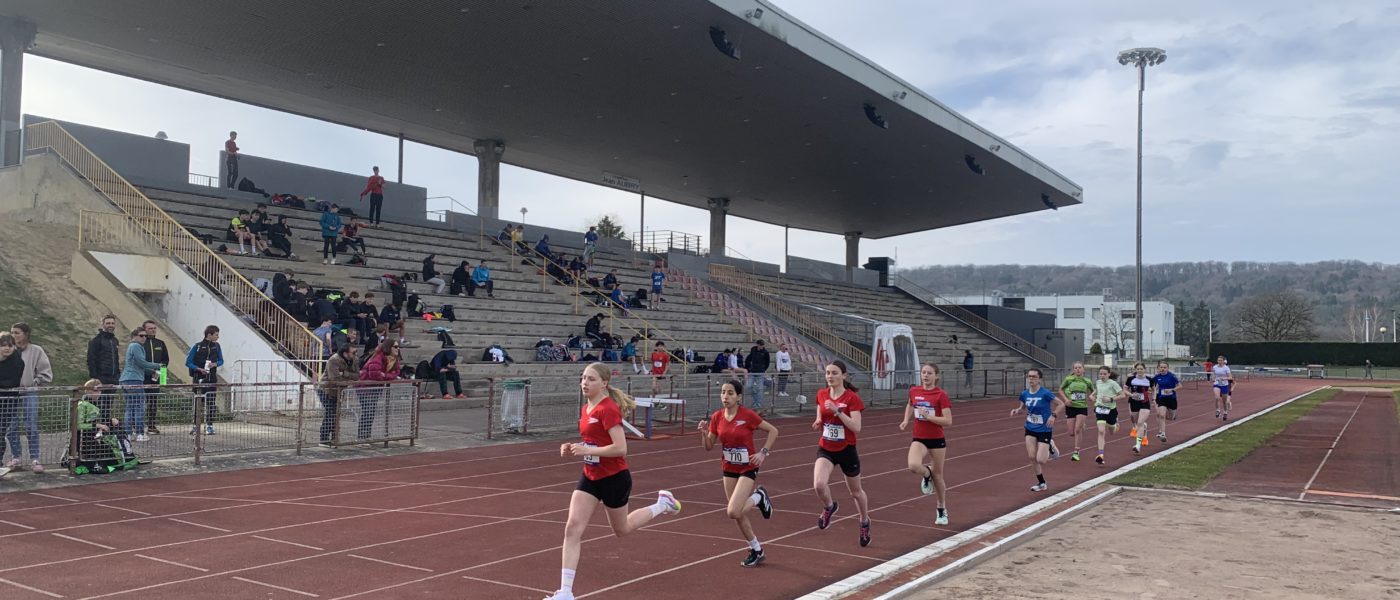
<point x="1098" y="313"/>
<point x="1045" y="311"/>
<point x="1128" y="314"/>
<point x="1098" y="334"/>
<point x="1074" y="313"/>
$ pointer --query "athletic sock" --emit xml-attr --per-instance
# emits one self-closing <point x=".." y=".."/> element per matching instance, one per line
<point x="942" y="510"/>
<point x="566" y="580"/>
<point x="657" y="509"/>
<point x="929" y="470"/>
<point x="755" y="546"/>
<point x="756" y="498"/>
<point x="1040" y="477"/>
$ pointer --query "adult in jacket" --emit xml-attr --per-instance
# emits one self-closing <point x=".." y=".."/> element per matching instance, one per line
<point x="384" y="367"/>
<point x="104" y="362"/>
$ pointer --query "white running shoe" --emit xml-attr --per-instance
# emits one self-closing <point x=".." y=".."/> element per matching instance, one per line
<point x="142" y="438"/>
<point x="1039" y="487"/>
<point x="665" y="498"/>
<point x="942" y="517"/>
<point x="926" y="485"/>
<point x="561" y="595"/>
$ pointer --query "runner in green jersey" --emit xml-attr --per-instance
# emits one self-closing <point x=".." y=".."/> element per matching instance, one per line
<point x="1074" y="392"/>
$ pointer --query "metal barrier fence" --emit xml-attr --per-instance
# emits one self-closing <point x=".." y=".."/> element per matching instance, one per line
<point x="192" y="421"/>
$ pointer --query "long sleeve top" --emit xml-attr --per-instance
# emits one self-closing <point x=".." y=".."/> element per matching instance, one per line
<point x="136" y="363"/>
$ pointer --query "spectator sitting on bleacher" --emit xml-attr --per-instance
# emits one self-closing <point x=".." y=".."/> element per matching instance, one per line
<point x="282" y="287"/>
<point x="369" y="313"/>
<point x="504" y="237"/>
<point x="721" y="362"/>
<point x="629" y="353"/>
<point x="279" y="235"/>
<point x="481" y="278"/>
<point x="736" y="360"/>
<point x="430" y="274"/>
<point x="391" y="317"/>
<point x="542" y="247"/>
<point x="617" y="298"/>
<point x="594" y="329"/>
<point x="461" y="276"/>
<point x="298" y="301"/>
<point x="350" y="237"/>
<point x="444" y="366"/>
<point x="238" y="231"/>
<point x="321" y="308"/>
<point x="578" y="268"/>
<point x="557" y="271"/>
<point x="258" y="226"/>
<point x="610" y="280"/>
<point x="517" y="239"/>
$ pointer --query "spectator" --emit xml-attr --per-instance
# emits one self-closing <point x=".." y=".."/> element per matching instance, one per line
<point x="736" y="363"/>
<point x="279" y="236"/>
<point x="658" y="279"/>
<point x="282" y="287"/>
<point x="444" y="365"/>
<point x="375" y="188"/>
<point x="299" y="301"/>
<point x="231" y="150"/>
<point x="784" y="364"/>
<point x="590" y="244"/>
<point x="321" y="308"/>
<point x="383" y="366"/>
<point x="481" y="278"/>
<point x="517" y="239"/>
<point x="330" y="229"/>
<point x="594" y="329"/>
<point x="392" y="319"/>
<point x="238" y="230"/>
<point x="659" y="360"/>
<point x="324" y="333"/>
<point x="617" y="298"/>
<point x="11" y="373"/>
<point x="967" y="367"/>
<point x="204" y="361"/>
<point x="38" y="372"/>
<point x="381" y="333"/>
<point x="629" y="353"/>
<point x="461" y="279"/>
<point x="504" y="237"/>
<point x="721" y="362"/>
<point x="430" y="274"/>
<point x="357" y="318"/>
<point x="133" y="380"/>
<point x="104" y="362"/>
<point x="367" y="316"/>
<point x="1368" y="370"/>
<point x="542" y="247"/>
<point x="610" y="280"/>
<point x="578" y="268"/>
<point x="341" y="371"/>
<point x="258" y="226"/>
<point x="350" y="237"/>
<point x="757" y="364"/>
<point x="96" y="454"/>
<point x="155" y="349"/>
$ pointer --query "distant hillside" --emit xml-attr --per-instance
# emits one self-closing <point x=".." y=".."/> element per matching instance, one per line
<point x="1332" y="286"/>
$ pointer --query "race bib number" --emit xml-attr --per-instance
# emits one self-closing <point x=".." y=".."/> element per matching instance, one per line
<point x="1035" y="419"/>
<point x="1168" y="393"/>
<point x="834" y="432"/>
<point x="1137" y="397"/>
<point x="1103" y="410"/>
<point x="736" y="456"/>
<point x="589" y="459"/>
<point x="656" y="364"/>
<point x="922" y="413"/>
<point x="1078" y="395"/>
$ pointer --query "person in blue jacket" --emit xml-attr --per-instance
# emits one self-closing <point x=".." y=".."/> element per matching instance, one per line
<point x="1166" y="383"/>
<point x="330" y="231"/>
<point x="204" y="361"/>
<point x="1040" y="405"/>
<point x="133" y="381"/>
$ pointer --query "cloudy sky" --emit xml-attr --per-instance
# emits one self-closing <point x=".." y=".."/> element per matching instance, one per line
<point x="1266" y="129"/>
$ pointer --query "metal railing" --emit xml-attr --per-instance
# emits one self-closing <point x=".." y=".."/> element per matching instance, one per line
<point x="771" y="300"/>
<point x="666" y="240"/>
<point x="148" y="226"/>
<point x="971" y="319"/>
<point x="204" y="180"/>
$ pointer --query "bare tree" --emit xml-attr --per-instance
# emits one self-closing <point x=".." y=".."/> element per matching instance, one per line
<point x="1115" y="328"/>
<point x="1275" y="317"/>
<point x="1360" y="318"/>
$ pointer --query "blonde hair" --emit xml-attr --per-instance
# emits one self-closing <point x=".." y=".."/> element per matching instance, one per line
<point x="90" y="385"/>
<point x="623" y="399"/>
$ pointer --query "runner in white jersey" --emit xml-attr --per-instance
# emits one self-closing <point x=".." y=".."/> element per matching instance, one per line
<point x="1224" y="382"/>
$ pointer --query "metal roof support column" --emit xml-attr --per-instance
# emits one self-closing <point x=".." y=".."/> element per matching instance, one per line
<point x="719" y="209"/>
<point x="852" y="255"/>
<point x="488" y="177"/>
<point x="15" y="38"/>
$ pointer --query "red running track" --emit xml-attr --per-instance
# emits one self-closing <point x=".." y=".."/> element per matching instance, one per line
<point x="487" y="522"/>
<point x="1347" y="451"/>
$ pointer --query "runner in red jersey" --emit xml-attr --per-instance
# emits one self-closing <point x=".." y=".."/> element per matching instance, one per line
<point x="931" y="410"/>
<point x="838" y="418"/>
<point x="732" y="429"/>
<point x="605" y="478"/>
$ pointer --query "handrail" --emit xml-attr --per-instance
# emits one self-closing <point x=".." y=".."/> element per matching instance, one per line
<point x="204" y="180"/>
<point x="172" y="239"/>
<point x="971" y="319"/>
<point x="769" y="300"/>
<point x="578" y="295"/>
<point x="646" y="241"/>
<point x="481" y="223"/>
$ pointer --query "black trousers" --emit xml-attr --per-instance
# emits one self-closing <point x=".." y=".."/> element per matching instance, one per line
<point x="450" y="375"/>
<point x="376" y="203"/>
<point x="232" y="164"/>
<point x="472" y="286"/>
<point x="327" y="247"/>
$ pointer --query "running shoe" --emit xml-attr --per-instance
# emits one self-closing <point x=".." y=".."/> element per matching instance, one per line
<point x="561" y="595"/>
<point x="1074" y="456"/>
<point x="864" y="533"/>
<point x="1162" y="437"/>
<point x="825" y="518"/>
<point x="1099" y="459"/>
<point x="1115" y="428"/>
<point x="1137" y="445"/>
<point x="765" y="506"/>
<point x="755" y="557"/>
<point x="1145" y="441"/>
<point x="673" y="506"/>
<point x="1217" y="413"/>
<point x="1133" y="432"/>
<point x="36" y="467"/>
<point x="1225" y="416"/>
<point x="926" y="484"/>
<point x="1172" y="416"/>
<point x="1054" y="452"/>
<point x="1039" y="487"/>
<point x="942" y="517"/>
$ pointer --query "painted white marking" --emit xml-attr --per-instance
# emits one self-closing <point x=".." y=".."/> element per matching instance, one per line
<point x="276" y="587"/>
<point x="19" y="525"/>
<point x="192" y="523"/>
<point x="54" y="497"/>
<point x="268" y="539"/>
<point x="130" y="510"/>
<point x="32" y="589"/>
<point x="392" y="564"/>
<point x="171" y="562"/>
<point x="523" y="587"/>
<point x="1328" y="455"/>
<point x="82" y="541"/>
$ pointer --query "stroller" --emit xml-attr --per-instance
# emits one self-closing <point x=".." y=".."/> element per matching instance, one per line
<point x="100" y="451"/>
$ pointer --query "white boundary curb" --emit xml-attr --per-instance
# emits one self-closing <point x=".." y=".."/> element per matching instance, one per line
<point x="895" y="565"/>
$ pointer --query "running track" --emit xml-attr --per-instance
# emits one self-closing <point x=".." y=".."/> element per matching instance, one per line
<point x="486" y="522"/>
<point x="1347" y="450"/>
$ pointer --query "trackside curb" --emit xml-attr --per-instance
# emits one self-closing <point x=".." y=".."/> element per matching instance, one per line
<point x="897" y="565"/>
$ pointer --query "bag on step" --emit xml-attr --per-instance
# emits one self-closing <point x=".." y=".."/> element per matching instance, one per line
<point x="449" y="313"/>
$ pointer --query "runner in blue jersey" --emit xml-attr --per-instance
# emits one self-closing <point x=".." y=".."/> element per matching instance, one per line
<point x="1040" y="405"/>
<point x="1166" y="383"/>
<point x="1224" y="383"/>
<point x="658" y="278"/>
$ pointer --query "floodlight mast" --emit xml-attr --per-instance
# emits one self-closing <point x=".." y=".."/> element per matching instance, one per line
<point x="1140" y="58"/>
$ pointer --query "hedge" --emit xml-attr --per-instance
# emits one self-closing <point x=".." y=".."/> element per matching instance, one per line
<point x="1380" y="354"/>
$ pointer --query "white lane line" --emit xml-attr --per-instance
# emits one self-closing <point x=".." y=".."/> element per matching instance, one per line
<point x="32" y="589"/>
<point x="192" y="523"/>
<point x="130" y="510"/>
<point x="1328" y="455"/>
<point x="82" y="541"/>
<point x="393" y="564"/>
<point x="53" y="496"/>
<point x="276" y="587"/>
<point x="171" y="562"/>
<point x="523" y="587"/>
<point x="268" y="539"/>
<point x="19" y="525"/>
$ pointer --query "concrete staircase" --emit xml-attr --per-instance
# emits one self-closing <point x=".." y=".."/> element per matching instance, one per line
<point x="804" y="354"/>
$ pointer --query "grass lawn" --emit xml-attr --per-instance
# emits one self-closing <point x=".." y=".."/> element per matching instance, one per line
<point x="65" y="343"/>
<point x="1194" y="467"/>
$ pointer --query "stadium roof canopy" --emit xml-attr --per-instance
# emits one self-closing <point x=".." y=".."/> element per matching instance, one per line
<point x="583" y="88"/>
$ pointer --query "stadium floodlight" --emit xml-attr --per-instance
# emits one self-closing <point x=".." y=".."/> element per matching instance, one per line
<point x="722" y="43"/>
<point x="1140" y="58"/>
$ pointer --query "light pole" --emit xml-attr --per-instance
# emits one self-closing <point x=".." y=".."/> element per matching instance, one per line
<point x="1151" y="336"/>
<point x="1140" y="58"/>
<point x="523" y="210"/>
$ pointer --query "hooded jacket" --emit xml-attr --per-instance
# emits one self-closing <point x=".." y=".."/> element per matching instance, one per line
<point x="104" y="358"/>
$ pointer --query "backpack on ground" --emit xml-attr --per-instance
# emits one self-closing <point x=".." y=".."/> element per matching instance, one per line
<point x="454" y="288"/>
<point x="356" y="259"/>
<point x="449" y="313"/>
<point x="424" y="370"/>
<point x="446" y="339"/>
<point x="415" y="306"/>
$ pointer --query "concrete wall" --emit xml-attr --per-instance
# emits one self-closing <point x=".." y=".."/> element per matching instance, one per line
<point x="570" y="241"/>
<point x="129" y="308"/>
<point x="43" y="190"/>
<point x="128" y="153"/>
<point x="699" y="266"/>
<point x="1020" y="322"/>
<point x="402" y="203"/>
<point x="807" y="268"/>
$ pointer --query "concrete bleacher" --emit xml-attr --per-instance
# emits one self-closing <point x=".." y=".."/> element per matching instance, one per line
<point x="526" y="307"/>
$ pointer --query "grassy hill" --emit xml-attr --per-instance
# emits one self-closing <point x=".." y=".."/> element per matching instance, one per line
<point x="65" y="342"/>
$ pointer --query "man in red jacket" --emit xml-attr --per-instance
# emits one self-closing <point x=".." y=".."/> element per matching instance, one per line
<point x="375" y="189"/>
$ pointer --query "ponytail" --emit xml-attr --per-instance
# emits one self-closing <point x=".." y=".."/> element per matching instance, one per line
<point x="623" y="399"/>
<point x="845" y="376"/>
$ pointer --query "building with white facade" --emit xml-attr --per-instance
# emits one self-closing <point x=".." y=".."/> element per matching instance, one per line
<point x="1109" y="323"/>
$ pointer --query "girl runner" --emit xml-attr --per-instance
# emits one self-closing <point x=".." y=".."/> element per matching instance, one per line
<point x="1166" y="383"/>
<point x="1074" y="392"/>
<point x="1106" y="394"/>
<point x="733" y="427"/>
<point x="1040" y="405"/>
<point x="838" y="418"/>
<point x="605" y="478"/>
<point x="932" y="411"/>
<point x="1224" y="382"/>
<point x="1139" y="405"/>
